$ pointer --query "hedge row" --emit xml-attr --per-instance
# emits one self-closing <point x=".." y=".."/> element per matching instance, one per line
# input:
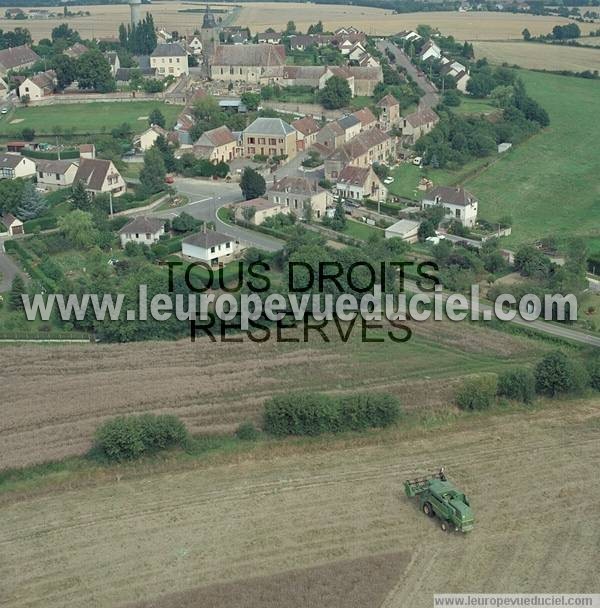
<point x="40" y="223"/>
<point x="26" y="260"/>
<point x="64" y="155"/>
<point x="313" y="414"/>
<point x="129" y="437"/>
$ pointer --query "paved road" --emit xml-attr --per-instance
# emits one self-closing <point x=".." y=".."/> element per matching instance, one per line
<point x="206" y="198"/>
<point x="559" y="331"/>
<point x="431" y="97"/>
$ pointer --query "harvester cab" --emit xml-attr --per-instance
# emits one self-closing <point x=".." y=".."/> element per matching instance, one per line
<point x="439" y="497"/>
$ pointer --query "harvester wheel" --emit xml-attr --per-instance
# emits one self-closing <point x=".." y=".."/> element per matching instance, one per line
<point x="444" y="526"/>
<point x="428" y="510"/>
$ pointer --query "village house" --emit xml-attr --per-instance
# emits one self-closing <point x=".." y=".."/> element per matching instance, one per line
<point x="301" y="42"/>
<point x="210" y="246"/>
<point x="430" y="50"/>
<point x="458" y="204"/>
<point x="55" y="174"/>
<point x="4" y="89"/>
<point x="367" y="119"/>
<point x="315" y="76"/>
<point x="124" y="75"/>
<point x="362" y="151"/>
<point x="307" y="129"/>
<point x="217" y="145"/>
<point x="87" y="151"/>
<point x="17" y="58"/>
<point x="144" y="141"/>
<point x="409" y="35"/>
<point x="15" y="165"/>
<point x="76" y="51"/>
<point x="113" y="60"/>
<point x="301" y="196"/>
<point x="261" y="209"/>
<point x="252" y="64"/>
<point x="269" y="38"/>
<point x="184" y="125"/>
<point x="419" y="123"/>
<point x="389" y="115"/>
<point x="269" y="137"/>
<point x="365" y="79"/>
<point x="331" y="136"/>
<point x="13" y="224"/>
<point x="169" y="60"/>
<point x="100" y="176"/>
<point x="39" y="86"/>
<point x="142" y="230"/>
<point x="357" y="183"/>
<point x="351" y="126"/>
<point x="192" y="44"/>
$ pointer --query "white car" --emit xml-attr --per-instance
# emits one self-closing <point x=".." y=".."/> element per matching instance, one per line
<point x="417" y="161"/>
<point x="4" y="111"/>
<point x="388" y="180"/>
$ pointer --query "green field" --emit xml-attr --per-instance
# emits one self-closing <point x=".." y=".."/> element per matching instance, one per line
<point x="97" y="117"/>
<point x="474" y="106"/>
<point x="550" y="185"/>
<point x="359" y="230"/>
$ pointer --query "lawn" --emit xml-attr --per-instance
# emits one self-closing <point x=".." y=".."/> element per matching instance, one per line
<point x="474" y="106"/>
<point x="360" y="230"/>
<point x="550" y="185"/>
<point x="84" y="118"/>
<point x="407" y="176"/>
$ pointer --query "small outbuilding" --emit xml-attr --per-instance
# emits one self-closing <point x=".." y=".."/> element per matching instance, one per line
<point x="407" y="230"/>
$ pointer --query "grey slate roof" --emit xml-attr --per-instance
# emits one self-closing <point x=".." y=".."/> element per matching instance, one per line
<point x="348" y="121"/>
<point x="206" y="240"/>
<point x="269" y="126"/>
<point x="451" y="195"/>
<point x="10" y="160"/>
<point x="143" y="225"/>
<point x="168" y="50"/>
<point x="53" y="166"/>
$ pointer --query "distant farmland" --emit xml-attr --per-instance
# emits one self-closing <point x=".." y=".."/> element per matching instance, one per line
<point x="539" y="56"/>
<point x="104" y="20"/>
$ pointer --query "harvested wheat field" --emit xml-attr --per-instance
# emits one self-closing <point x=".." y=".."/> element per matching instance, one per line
<point x="199" y="537"/>
<point x="104" y="20"/>
<point x="539" y="56"/>
<point x="214" y="387"/>
<point x="464" y="26"/>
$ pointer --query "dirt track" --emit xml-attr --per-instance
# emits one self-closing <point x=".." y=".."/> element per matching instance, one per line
<point x="531" y="478"/>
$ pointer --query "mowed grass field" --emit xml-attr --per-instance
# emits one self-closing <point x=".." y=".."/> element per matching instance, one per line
<point x="326" y="522"/>
<point x="550" y="185"/>
<point x="96" y="117"/>
<point x="104" y="20"/>
<point x="215" y="387"/>
<point x="539" y="56"/>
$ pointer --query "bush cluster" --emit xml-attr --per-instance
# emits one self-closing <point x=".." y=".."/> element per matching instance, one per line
<point x="129" y="437"/>
<point x="555" y="374"/>
<point x="313" y="413"/>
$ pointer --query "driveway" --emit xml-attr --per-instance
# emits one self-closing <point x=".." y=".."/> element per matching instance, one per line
<point x="206" y="198"/>
<point x="431" y="97"/>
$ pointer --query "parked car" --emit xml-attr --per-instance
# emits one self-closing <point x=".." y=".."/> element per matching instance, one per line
<point x="417" y="160"/>
<point x="388" y="180"/>
<point x="169" y="179"/>
<point x="4" y="111"/>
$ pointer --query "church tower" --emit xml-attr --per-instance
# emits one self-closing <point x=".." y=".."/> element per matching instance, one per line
<point x="209" y="36"/>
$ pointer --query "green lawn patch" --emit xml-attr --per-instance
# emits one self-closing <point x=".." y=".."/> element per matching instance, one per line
<point x="360" y="230"/>
<point x="474" y="106"/>
<point x="549" y="184"/>
<point x="86" y="118"/>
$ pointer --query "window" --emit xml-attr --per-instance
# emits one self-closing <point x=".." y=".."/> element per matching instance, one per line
<point x="41" y="174"/>
<point x="272" y="141"/>
<point x="251" y="140"/>
<point x="137" y="236"/>
<point x="57" y="176"/>
<point x="148" y="236"/>
<point x="212" y="249"/>
<point x="261" y="140"/>
<point x="228" y="245"/>
<point x="458" y="213"/>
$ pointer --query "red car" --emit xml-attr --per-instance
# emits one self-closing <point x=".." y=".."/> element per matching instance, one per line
<point x="169" y="179"/>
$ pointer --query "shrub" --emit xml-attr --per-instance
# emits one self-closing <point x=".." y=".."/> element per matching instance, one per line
<point x="593" y="369"/>
<point x="518" y="384"/>
<point x="477" y="393"/>
<point x="313" y="414"/>
<point x="247" y="432"/>
<point x="129" y="437"/>
<point x="556" y="374"/>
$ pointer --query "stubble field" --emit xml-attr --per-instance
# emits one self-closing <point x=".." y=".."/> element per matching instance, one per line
<point x="104" y="20"/>
<point x="244" y="533"/>
<point x="539" y="56"/>
<point x="215" y="387"/>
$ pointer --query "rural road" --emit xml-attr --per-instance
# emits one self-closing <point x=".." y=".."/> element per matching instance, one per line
<point x="206" y="198"/>
<point x="431" y="97"/>
<point x="558" y="331"/>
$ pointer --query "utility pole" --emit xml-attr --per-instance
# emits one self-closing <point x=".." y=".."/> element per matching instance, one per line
<point x="111" y="205"/>
<point x="57" y="148"/>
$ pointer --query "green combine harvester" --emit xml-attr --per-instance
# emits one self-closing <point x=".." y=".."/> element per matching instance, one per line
<point x="437" y="496"/>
